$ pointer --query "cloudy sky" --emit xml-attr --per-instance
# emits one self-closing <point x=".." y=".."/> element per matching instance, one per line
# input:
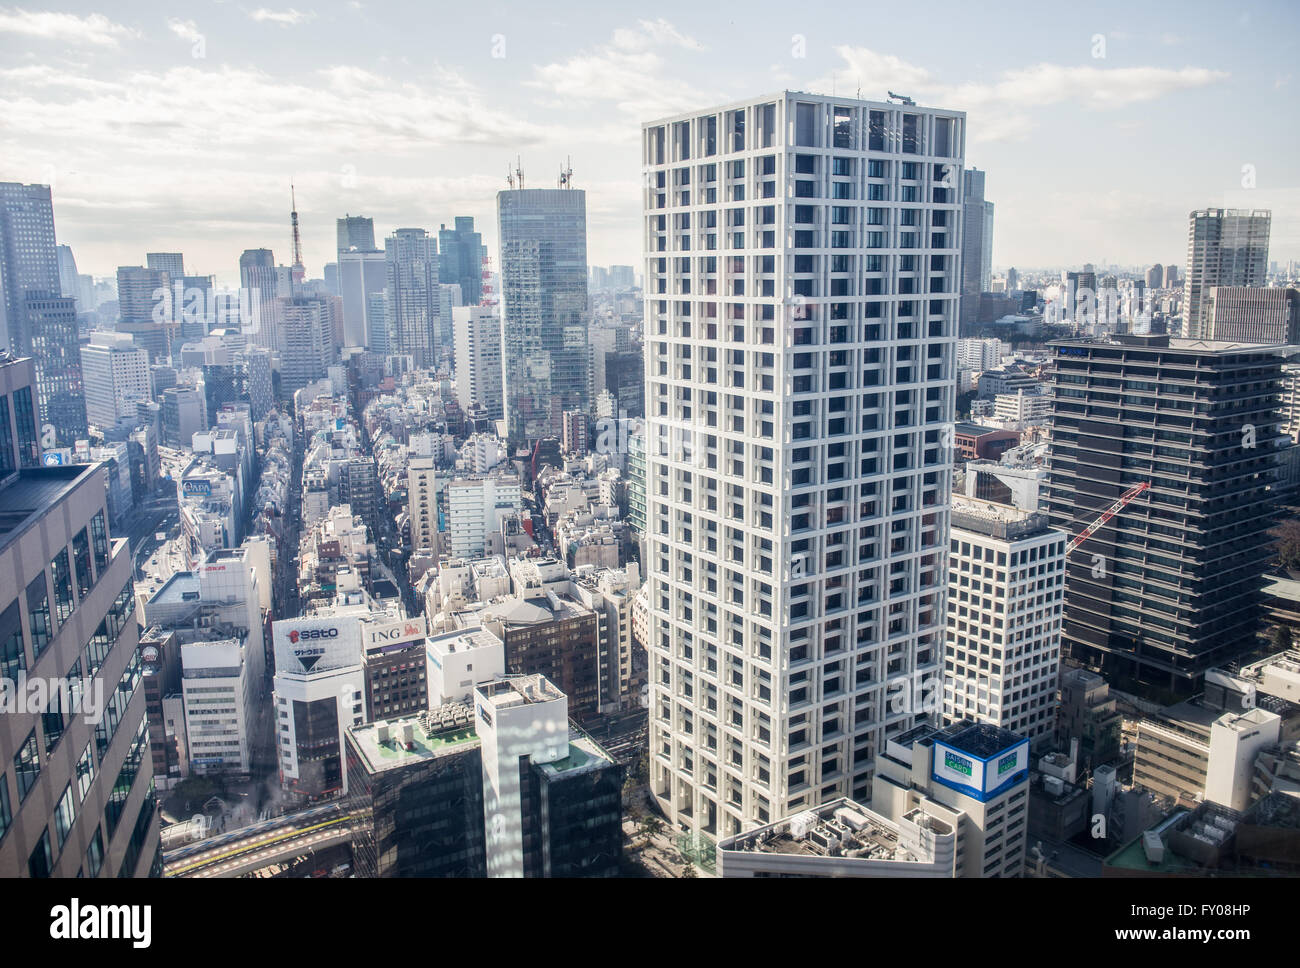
<point x="181" y="126"/>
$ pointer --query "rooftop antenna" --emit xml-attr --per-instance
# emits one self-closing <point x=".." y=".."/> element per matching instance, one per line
<point x="519" y="172"/>
<point x="510" y="177"/>
<point x="566" y="174"/>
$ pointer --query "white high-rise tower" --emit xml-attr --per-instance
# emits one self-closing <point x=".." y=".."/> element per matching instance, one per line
<point x="802" y="273"/>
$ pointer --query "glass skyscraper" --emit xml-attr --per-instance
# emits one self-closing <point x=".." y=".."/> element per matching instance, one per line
<point x="461" y="260"/>
<point x="543" y="235"/>
<point x="414" y="300"/>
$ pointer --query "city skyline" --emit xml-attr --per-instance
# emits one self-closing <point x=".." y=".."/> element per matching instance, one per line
<point x="206" y="134"/>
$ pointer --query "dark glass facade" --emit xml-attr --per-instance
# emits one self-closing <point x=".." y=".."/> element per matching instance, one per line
<point x="1170" y="587"/>
<point x="544" y="291"/>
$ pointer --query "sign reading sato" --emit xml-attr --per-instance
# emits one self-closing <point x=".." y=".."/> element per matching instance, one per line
<point x="980" y="760"/>
<point x="307" y="645"/>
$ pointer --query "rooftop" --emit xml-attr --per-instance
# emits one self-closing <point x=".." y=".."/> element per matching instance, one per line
<point x="435" y="732"/>
<point x="840" y="828"/>
<point x="979" y="739"/>
<point x="33" y="493"/>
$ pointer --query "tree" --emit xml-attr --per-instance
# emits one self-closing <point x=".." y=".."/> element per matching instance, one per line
<point x="689" y="868"/>
<point x="650" y="827"/>
<point x="1287" y="534"/>
<point x="1282" y="639"/>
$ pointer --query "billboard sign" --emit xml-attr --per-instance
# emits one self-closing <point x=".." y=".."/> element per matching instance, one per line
<point x="982" y="778"/>
<point x="313" y="645"/>
<point x="201" y="487"/>
<point x="385" y="635"/>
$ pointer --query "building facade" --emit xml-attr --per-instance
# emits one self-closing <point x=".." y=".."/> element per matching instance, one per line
<point x="543" y="233"/>
<point x="76" y="784"/>
<point x="802" y="272"/>
<point x="1171" y="585"/>
<point x="1225" y="247"/>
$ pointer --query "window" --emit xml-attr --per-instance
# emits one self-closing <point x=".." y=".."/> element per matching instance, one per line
<point x="99" y="541"/>
<point x="38" y="615"/>
<point x="29" y="451"/>
<point x="13" y="654"/>
<point x="85" y="771"/>
<point x="81" y="562"/>
<point x="7" y="465"/>
<point x="41" y="863"/>
<point x="61" y="575"/>
<point x="27" y="766"/>
<point x="6" y="815"/>
<point x="806" y="125"/>
<point x="64" y="816"/>
<point x="95" y="853"/>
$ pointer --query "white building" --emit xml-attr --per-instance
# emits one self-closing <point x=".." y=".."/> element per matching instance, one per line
<point x="218" y="687"/>
<point x="1006" y="591"/>
<point x="458" y="662"/>
<point x="795" y="479"/>
<point x="979" y="354"/>
<point x="475" y="506"/>
<point x="478" y="359"/>
<point x="516" y="717"/>
<point x="1022" y="408"/>
<point x="115" y="374"/>
<point x="422" y="503"/>
<point x="973" y="777"/>
<point x="320" y="691"/>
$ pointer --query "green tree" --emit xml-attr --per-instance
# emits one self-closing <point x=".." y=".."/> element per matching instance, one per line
<point x="1282" y="639"/>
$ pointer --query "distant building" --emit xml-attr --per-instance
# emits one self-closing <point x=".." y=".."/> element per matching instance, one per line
<point x="1225" y="247"/>
<point x="1249" y="314"/>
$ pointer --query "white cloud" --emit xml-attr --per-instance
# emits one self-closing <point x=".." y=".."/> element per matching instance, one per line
<point x="190" y="111"/>
<point x="186" y="30"/>
<point x="285" y="18"/>
<point x="1000" y="107"/>
<point x="630" y="72"/>
<point x="94" y="29"/>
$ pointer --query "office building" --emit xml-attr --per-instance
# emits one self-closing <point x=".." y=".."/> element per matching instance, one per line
<point x="1171" y="586"/>
<point x="76" y="789"/>
<point x="414" y="299"/>
<point x="543" y="237"/>
<point x="54" y="344"/>
<point x="363" y="274"/>
<point x="319" y="692"/>
<point x="503" y="786"/>
<point x="307" y="333"/>
<point x="475" y="506"/>
<point x="184" y="414"/>
<point x="974" y="778"/>
<point x="1006" y="592"/>
<point x="461" y="259"/>
<point x="396" y="665"/>
<point x="478" y="359"/>
<point x="422" y="489"/>
<point x="219" y="692"/>
<point x="1249" y="314"/>
<point x="788" y="579"/>
<point x="172" y="263"/>
<point x="29" y="261"/>
<point x="259" y="317"/>
<point x="1225" y="247"/>
<point x="1155" y="277"/>
<point x="356" y="232"/>
<point x="976" y="244"/>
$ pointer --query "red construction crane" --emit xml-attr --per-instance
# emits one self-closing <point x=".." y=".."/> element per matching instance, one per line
<point x="1111" y="511"/>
